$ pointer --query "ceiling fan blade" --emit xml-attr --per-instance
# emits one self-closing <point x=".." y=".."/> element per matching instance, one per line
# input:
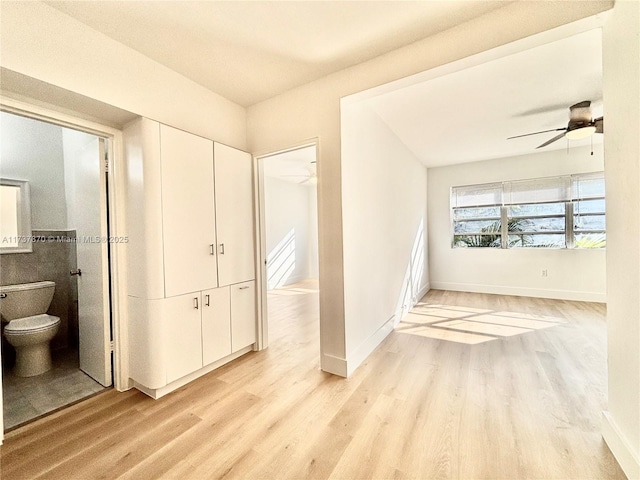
<point x="599" y="124"/>
<point x="536" y="133"/>
<point x="548" y="142"/>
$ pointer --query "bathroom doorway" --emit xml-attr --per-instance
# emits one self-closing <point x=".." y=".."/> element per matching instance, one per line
<point x="60" y="240"/>
<point x="288" y="211"/>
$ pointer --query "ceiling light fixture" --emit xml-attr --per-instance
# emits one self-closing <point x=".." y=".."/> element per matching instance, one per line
<point x="580" y="132"/>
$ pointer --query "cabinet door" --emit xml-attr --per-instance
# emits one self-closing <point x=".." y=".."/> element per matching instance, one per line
<point x="216" y="324"/>
<point x="183" y="341"/>
<point x="234" y="215"/>
<point x="187" y="212"/>
<point x="243" y="315"/>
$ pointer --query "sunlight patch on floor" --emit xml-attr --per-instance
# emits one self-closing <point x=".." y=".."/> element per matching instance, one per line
<point x="470" y="325"/>
<point x="444" y="334"/>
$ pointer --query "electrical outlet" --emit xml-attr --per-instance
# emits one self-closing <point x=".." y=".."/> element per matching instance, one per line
<point x="545" y="273"/>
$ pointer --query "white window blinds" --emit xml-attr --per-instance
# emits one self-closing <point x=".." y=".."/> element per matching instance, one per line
<point x="590" y="185"/>
<point x="538" y="190"/>
<point x="523" y="192"/>
<point x="489" y="194"/>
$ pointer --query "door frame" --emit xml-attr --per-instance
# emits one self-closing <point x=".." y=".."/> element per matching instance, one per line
<point x="261" y="237"/>
<point x="116" y="195"/>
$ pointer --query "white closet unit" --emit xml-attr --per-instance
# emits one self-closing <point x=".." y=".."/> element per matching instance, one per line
<point x="191" y="255"/>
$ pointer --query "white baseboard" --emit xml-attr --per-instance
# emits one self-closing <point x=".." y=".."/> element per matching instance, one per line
<point x="335" y="365"/>
<point x="157" y="393"/>
<point x="522" y="292"/>
<point x="368" y="346"/>
<point x="423" y="291"/>
<point x="620" y="447"/>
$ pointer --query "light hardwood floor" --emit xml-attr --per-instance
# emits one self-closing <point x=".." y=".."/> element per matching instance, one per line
<point x="521" y="406"/>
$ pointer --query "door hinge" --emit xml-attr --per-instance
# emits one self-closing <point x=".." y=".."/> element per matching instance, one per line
<point x="111" y="346"/>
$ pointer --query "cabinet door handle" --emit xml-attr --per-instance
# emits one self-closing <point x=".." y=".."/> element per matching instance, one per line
<point x="195" y="303"/>
<point x="206" y="300"/>
<point x="222" y="249"/>
<point x="212" y="249"/>
<point x="243" y="288"/>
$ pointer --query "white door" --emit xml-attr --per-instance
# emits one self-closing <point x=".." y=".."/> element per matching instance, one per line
<point x="87" y="213"/>
<point x="234" y="215"/>
<point x="187" y="212"/>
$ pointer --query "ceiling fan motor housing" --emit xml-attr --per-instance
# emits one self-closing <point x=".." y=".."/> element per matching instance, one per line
<point x="576" y="125"/>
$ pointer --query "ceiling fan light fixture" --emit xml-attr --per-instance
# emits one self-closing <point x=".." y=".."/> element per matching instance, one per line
<point x="581" y="132"/>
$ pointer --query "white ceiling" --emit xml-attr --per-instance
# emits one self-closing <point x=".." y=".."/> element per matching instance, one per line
<point x="467" y="116"/>
<point x="250" y="51"/>
<point x="295" y="166"/>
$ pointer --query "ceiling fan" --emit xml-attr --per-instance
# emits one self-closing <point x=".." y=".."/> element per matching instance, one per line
<point x="581" y="125"/>
<point x="309" y="178"/>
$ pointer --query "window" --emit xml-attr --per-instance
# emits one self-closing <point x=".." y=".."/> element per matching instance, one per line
<point x="554" y="212"/>
<point x="588" y="211"/>
<point x="476" y="215"/>
<point x="15" y="216"/>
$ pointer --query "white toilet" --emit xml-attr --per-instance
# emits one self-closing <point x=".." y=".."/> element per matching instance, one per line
<point x="29" y="329"/>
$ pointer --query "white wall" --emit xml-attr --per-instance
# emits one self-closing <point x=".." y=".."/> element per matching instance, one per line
<point x="573" y="274"/>
<point x="384" y="208"/>
<point x="31" y="150"/>
<point x="313" y="111"/>
<point x="289" y="232"/>
<point x="621" y="81"/>
<point x="57" y="49"/>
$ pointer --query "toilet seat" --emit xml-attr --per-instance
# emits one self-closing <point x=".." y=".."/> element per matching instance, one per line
<point x="34" y="324"/>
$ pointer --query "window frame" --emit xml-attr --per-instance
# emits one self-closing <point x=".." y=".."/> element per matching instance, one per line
<point x="570" y="231"/>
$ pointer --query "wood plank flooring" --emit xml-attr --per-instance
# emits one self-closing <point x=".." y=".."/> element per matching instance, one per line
<point x="521" y="406"/>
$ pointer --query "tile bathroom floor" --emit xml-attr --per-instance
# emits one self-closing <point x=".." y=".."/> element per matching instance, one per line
<point x="27" y="398"/>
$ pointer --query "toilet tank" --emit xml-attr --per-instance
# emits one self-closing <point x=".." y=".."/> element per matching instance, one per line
<point x="25" y="299"/>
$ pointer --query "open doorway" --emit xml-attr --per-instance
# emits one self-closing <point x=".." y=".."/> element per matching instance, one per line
<point x="289" y="242"/>
<point x="54" y="275"/>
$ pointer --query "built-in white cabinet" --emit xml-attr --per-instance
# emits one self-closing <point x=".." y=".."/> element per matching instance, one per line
<point x="234" y="214"/>
<point x="191" y="254"/>
<point x="243" y="307"/>
<point x="216" y="325"/>
<point x="188" y="216"/>
<point x="202" y="327"/>
<point x="183" y="340"/>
